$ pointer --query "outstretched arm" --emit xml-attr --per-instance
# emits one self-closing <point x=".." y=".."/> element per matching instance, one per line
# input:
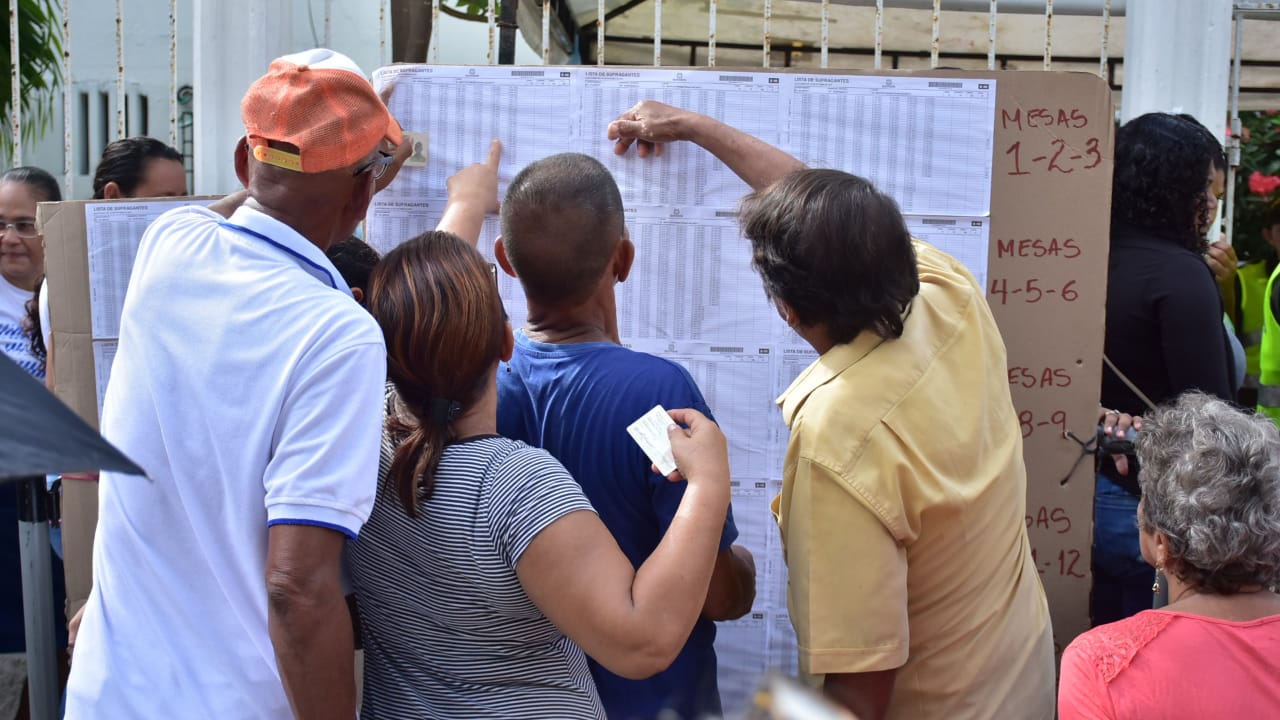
<point x="650" y="125"/>
<point x="473" y="193"/>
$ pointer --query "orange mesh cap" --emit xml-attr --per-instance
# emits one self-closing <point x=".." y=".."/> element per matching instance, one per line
<point x="319" y="102"/>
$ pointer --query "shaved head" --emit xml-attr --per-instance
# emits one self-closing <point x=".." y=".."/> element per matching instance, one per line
<point x="561" y="221"/>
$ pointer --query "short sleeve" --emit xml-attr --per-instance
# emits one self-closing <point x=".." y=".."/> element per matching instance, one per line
<point x="530" y="491"/>
<point x="1082" y="695"/>
<point x="847" y="578"/>
<point x="324" y="465"/>
<point x="681" y="392"/>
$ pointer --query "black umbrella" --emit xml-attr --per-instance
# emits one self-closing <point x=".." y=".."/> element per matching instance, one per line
<point x="42" y="435"/>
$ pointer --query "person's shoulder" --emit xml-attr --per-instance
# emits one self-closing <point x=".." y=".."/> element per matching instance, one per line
<point x="660" y="368"/>
<point x="190" y="220"/>
<point x="1185" y="273"/>
<point x="1110" y="649"/>
<point x="329" y="325"/>
<point x="522" y="471"/>
<point x="521" y="461"/>
<point x="614" y="365"/>
<point x="943" y="278"/>
<point x="348" y="323"/>
<point x="194" y="215"/>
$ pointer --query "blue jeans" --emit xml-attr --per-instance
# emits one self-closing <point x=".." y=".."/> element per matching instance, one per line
<point x="1121" y="578"/>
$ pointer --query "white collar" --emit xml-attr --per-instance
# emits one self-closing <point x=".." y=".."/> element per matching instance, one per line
<point x="289" y="241"/>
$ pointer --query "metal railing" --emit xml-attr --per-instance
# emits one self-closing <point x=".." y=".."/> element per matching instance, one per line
<point x="770" y="52"/>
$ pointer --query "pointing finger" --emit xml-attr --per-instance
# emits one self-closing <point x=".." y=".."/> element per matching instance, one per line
<point x="495" y="154"/>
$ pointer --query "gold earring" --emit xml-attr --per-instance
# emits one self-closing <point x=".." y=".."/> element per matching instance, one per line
<point x="1155" y="586"/>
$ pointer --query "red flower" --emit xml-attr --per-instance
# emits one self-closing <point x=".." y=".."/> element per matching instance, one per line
<point x="1260" y="184"/>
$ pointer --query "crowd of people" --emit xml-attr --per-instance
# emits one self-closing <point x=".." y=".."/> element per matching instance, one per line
<point x="317" y="422"/>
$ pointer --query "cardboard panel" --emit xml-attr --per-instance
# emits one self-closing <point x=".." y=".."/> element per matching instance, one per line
<point x="1050" y="230"/>
<point x="67" y="276"/>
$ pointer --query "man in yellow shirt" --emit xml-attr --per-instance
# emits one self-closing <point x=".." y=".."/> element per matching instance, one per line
<point x="910" y="579"/>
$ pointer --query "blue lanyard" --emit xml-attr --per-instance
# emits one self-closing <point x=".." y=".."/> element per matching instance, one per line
<point x="297" y="255"/>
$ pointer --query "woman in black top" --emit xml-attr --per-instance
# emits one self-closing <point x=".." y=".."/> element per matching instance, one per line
<point x="1164" y="321"/>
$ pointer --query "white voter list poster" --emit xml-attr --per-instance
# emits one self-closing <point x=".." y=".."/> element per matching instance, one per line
<point x="692" y="295"/>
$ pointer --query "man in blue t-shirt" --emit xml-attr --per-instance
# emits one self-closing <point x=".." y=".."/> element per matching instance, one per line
<point x="572" y="389"/>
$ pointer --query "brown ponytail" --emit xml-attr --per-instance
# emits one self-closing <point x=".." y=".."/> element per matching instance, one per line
<point x="438" y="306"/>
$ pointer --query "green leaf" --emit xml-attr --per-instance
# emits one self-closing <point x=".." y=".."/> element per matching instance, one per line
<point x="39" y="68"/>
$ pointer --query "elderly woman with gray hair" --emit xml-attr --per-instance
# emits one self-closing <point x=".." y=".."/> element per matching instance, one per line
<point x="1209" y="521"/>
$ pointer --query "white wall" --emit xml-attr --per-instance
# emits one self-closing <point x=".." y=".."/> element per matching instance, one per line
<point x="354" y="27"/>
<point x="93" y="72"/>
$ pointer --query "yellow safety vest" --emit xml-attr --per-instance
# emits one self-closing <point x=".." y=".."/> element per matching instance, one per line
<point x="1253" y="302"/>
<point x="1269" y="358"/>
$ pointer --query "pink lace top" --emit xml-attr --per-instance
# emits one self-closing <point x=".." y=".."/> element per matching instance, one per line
<point x="1162" y="664"/>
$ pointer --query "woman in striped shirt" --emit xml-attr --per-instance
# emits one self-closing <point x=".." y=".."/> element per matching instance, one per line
<point x="483" y="573"/>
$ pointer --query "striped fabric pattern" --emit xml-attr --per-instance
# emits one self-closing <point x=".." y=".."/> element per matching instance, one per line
<point x="448" y="630"/>
<point x="15" y="343"/>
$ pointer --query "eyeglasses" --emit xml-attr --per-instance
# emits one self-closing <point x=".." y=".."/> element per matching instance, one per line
<point x="24" y="228"/>
<point x="378" y="166"/>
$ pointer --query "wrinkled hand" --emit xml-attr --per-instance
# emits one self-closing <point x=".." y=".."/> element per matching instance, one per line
<point x="701" y="452"/>
<point x="1222" y="260"/>
<point x="477" y="185"/>
<point x="649" y="125"/>
<point x="1117" y="424"/>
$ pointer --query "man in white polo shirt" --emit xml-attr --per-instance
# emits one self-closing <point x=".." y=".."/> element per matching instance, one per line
<point x="249" y="386"/>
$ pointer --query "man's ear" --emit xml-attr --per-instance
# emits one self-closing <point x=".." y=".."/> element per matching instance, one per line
<point x="111" y="191"/>
<point x="508" y="343"/>
<point x="360" y="199"/>
<point x="358" y="294"/>
<point x="785" y="312"/>
<point x="623" y="257"/>
<point x="242" y="161"/>
<point x="500" y="254"/>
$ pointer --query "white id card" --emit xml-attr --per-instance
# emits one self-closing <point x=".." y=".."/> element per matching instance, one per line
<point x="650" y="433"/>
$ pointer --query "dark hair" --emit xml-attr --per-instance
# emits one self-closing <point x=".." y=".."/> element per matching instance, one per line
<point x="124" y="162"/>
<point x="32" y="326"/>
<point x="38" y="180"/>
<point x="561" y="220"/>
<point x="835" y="250"/>
<point x="1161" y="172"/>
<point x="1219" y="158"/>
<point x="437" y="304"/>
<point x="354" y="259"/>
